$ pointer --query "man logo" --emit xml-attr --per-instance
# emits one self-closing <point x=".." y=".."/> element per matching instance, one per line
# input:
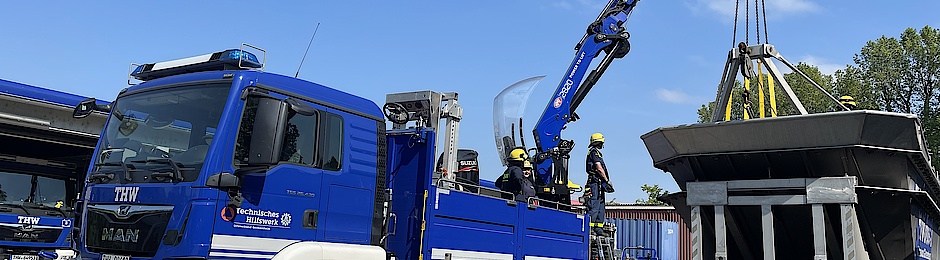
<point x="26" y="228"/>
<point x="124" y="210"/>
<point x="120" y="235"/>
<point x="25" y="235"/>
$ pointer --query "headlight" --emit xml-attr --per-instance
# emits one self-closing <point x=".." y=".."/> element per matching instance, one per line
<point x="66" y="254"/>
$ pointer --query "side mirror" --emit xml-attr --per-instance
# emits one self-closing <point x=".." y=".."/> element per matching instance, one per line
<point x="86" y="107"/>
<point x="270" y="121"/>
<point x="300" y="107"/>
<point x="223" y="181"/>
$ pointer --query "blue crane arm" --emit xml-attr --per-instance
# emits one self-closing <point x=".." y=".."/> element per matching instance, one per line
<point x="608" y="34"/>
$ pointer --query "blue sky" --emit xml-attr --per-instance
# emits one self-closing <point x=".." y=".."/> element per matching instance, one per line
<point x="475" y="48"/>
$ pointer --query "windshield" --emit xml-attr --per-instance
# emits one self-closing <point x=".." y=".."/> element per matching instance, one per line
<point x="32" y="195"/>
<point x="508" y="109"/>
<point x="160" y="135"/>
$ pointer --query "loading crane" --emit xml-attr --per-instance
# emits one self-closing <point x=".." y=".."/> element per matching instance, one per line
<point x="607" y="34"/>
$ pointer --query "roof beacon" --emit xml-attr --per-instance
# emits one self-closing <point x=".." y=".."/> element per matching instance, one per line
<point x="233" y="59"/>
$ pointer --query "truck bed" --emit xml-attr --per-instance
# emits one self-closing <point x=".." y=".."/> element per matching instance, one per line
<point x="469" y="225"/>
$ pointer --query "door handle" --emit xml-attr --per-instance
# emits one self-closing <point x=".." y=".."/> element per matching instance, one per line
<point x="310" y="218"/>
<point x="393" y="223"/>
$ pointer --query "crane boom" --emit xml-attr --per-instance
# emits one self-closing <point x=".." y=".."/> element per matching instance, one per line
<point x="606" y="34"/>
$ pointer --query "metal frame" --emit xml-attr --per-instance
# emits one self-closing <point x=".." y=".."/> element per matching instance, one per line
<point x="426" y="109"/>
<point x="815" y="192"/>
<point x="741" y="58"/>
<point x="461" y="187"/>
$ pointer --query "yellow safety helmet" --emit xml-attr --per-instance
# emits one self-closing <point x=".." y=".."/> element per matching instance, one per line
<point x="847" y="101"/>
<point x="527" y="165"/>
<point x="597" y="137"/>
<point x="517" y="154"/>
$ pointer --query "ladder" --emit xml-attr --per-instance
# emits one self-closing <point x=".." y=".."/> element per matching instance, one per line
<point x="602" y="245"/>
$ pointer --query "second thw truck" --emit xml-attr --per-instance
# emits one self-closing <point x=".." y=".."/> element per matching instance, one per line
<point x="44" y="153"/>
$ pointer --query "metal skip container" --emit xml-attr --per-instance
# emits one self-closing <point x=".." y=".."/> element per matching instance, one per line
<point x="841" y="185"/>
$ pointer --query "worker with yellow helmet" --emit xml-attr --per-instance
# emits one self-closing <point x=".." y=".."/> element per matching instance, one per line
<point x="526" y="183"/>
<point x="848" y="102"/>
<point x="511" y="180"/>
<point x="598" y="183"/>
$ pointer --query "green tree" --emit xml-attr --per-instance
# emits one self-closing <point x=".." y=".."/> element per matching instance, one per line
<point x="654" y="192"/>
<point x="851" y="81"/>
<point x="900" y="75"/>
<point x="922" y="52"/>
<point x="881" y="62"/>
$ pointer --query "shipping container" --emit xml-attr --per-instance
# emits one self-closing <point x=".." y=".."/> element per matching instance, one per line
<point x="647" y="239"/>
<point x="655" y="212"/>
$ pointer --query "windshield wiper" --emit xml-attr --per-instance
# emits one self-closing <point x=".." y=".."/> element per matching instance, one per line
<point x="16" y="205"/>
<point x="109" y="176"/>
<point x="45" y="207"/>
<point x="176" y="174"/>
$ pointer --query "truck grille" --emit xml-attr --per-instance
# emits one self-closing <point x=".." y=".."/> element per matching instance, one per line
<point x="126" y="229"/>
<point x="29" y="233"/>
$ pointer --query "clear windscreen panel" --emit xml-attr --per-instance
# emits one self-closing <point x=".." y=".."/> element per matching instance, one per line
<point x="508" y="109"/>
<point x="31" y="194"/>
<point x="161" y="135"/>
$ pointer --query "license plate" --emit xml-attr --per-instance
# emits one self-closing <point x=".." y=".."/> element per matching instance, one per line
<point x="115" y="257"/>
<point x="24" y="257"/>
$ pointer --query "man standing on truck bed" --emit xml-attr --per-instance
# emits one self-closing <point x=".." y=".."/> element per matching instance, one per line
<point x="598" y="183"/>
<point x="508" y="182"/>
<point x="526" y="183"/>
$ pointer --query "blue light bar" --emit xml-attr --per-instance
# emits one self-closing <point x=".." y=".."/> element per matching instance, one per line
<point x="233" y="59"/>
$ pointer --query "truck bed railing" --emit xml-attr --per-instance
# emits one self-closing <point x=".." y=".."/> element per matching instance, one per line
<point x="638" y="253"/>
<point x="532" y="202"/>
<point x="474" y="189"/>
<point x="537" y="202"/>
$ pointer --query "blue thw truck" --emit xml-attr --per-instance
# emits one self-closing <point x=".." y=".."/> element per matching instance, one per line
<point x="44" y="154"/>
<point x="229" y="163"/>
<point x="210" y="157"/>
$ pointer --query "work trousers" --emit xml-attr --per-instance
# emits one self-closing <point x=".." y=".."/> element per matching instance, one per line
<point x="595" y="207"/>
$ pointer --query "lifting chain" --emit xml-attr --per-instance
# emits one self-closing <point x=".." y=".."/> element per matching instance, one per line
<point x="759" y="10"/>
<point x="763" y="9"/>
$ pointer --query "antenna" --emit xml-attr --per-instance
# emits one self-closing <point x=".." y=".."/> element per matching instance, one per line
<point x="308" y="49"/>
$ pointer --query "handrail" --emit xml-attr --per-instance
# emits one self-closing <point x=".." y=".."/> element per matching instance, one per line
<point x="537" y="202"/>
<point x="441" y="185"/>
<point x="457" y="186"/>
<point x="651" y="256"/>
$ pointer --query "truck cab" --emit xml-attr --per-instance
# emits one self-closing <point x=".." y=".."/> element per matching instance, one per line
<point x="233" y="162"/>
<point x="43" y="159"/>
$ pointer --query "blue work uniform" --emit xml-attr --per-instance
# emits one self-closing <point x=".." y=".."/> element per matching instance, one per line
<point x="526" y="187"/>
<point x="508" y="182"/>
<point x="595" y="203"/>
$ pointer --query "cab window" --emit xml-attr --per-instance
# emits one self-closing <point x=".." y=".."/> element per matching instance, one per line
<point x="331" y="142"/>
<point x="300" y="139"/>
